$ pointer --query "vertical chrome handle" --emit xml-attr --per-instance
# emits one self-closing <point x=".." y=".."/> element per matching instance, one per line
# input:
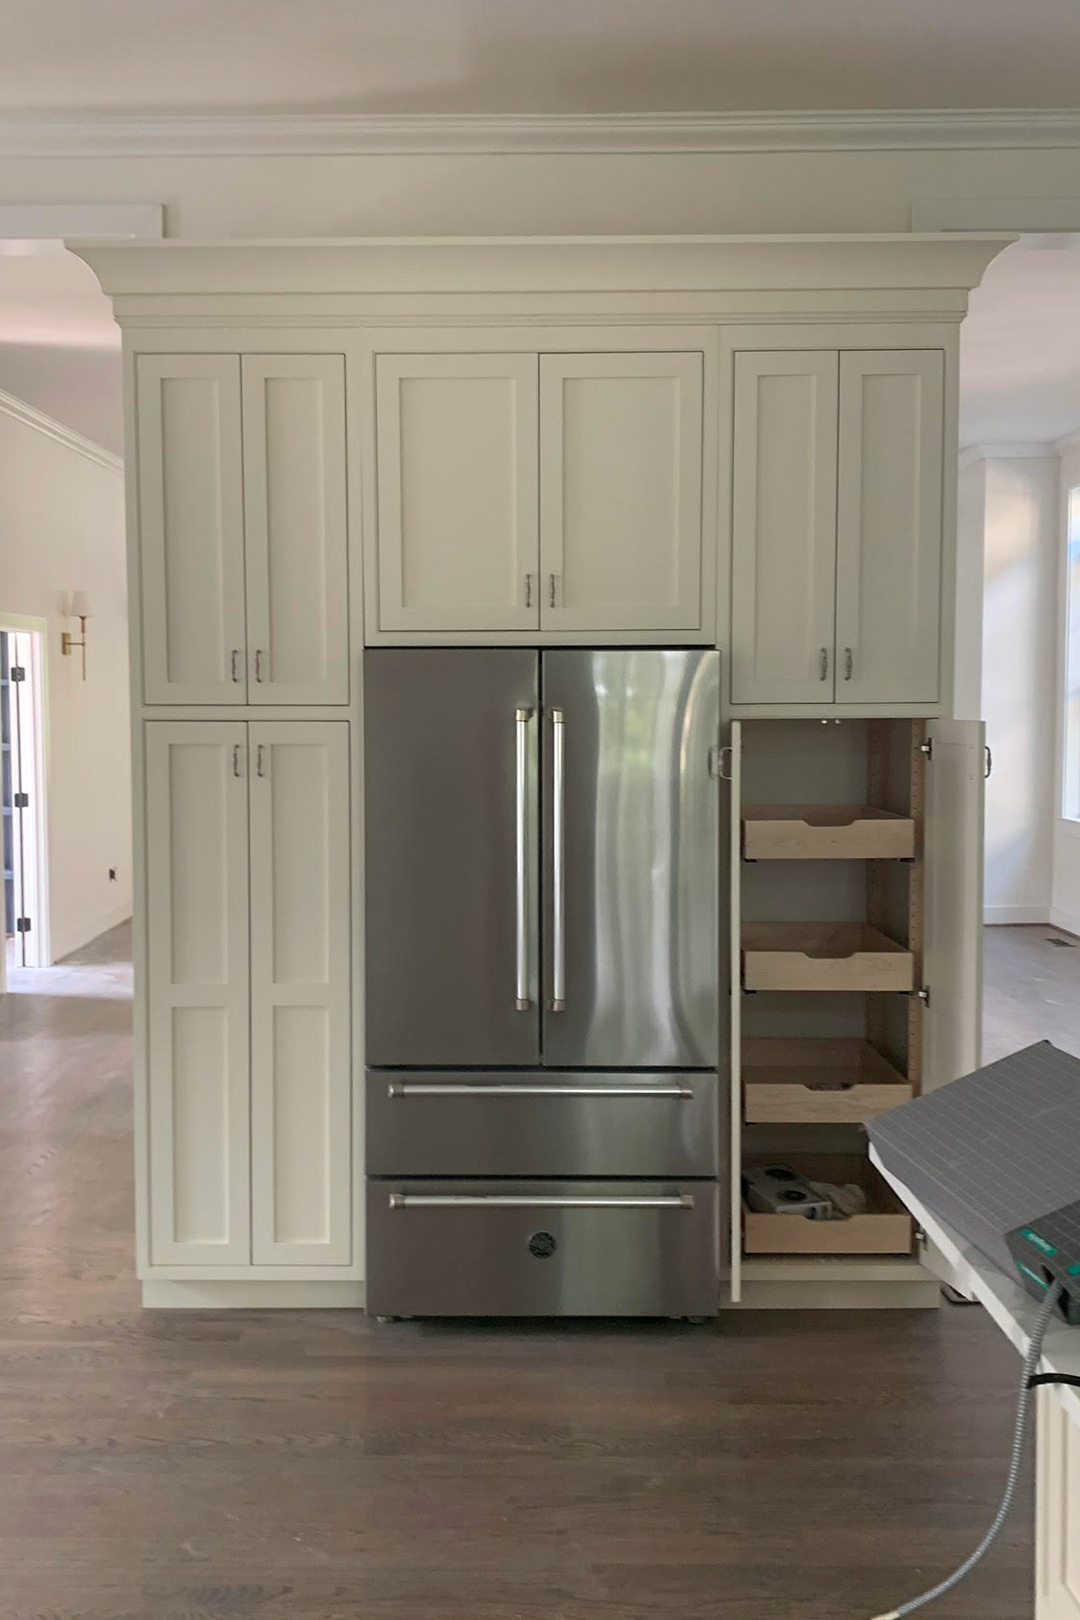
<point x="236" y="759"/>
<point x="234" y="663"/>
<point x="259" y="761"/>
<point x="823" y="663"/>
<point x="558" y="861"/>
<point x="521" y="747"/>
<point x="258" y="663"/>
<point x="849" y="663"/>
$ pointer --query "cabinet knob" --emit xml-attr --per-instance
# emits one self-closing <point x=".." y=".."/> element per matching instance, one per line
<point x="823" y="664"/>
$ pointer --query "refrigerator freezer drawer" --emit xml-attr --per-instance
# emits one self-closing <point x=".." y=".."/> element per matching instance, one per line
<point x="542" y="1248"/>
<point x="542" y="1123"/>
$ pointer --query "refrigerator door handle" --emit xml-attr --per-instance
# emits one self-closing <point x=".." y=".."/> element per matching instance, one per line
<point x="412" y="1088"/>
<point x="558" y="861"/>
<point x="521" y="741"/>
<point x="533" y="1201"/>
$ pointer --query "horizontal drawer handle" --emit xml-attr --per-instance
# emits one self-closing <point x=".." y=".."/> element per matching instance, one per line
<point x="532" y="1201"/>
<point x="407" y="1088"/>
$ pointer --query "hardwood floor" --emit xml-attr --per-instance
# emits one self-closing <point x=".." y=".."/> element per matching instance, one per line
<point x="808" y="1466"/>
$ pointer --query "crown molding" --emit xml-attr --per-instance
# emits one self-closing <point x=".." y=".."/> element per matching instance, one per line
<point x="1067" y="443"/>
<point x="52" y="429"/>
<point x="417" y="134"/>
<point x="1008" y="450"/>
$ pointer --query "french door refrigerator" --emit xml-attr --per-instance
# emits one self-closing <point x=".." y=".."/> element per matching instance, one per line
<point x="542" y="981"/>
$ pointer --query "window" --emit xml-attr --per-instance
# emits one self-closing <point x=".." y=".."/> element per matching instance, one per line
<point x="1070" y="807"/>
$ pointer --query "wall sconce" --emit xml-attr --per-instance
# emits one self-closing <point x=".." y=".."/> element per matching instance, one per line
<point x="78" y="608"/>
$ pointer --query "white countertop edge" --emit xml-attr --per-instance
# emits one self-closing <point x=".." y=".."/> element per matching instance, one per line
<point x="1012" y="1309"/>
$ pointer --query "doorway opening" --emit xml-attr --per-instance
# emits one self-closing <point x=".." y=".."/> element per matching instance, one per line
<point x="23" y="793"/>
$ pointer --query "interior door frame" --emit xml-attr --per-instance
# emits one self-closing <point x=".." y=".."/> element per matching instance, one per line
<point x="38" y="630"/>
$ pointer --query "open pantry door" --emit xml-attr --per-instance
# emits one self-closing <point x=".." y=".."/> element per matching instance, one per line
<point x="956" y="767"/>
<point x="731" y="768"/>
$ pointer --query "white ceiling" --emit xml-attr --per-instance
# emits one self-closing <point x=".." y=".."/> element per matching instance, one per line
<point x="1020" y="349"/>
<point x="574" y="56"/>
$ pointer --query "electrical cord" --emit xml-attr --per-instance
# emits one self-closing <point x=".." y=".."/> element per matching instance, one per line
<point x="1029" y="1379"/>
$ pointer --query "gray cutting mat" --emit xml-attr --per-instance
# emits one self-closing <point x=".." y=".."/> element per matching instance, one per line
<point x="994" y="1150"/>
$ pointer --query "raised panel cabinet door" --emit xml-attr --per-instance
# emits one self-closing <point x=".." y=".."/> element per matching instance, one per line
<point x="953" y="899"/>
<point x="295" y="528"/>
<point x="783" y="541"/>
<point x="620" y="491"/>
<point x="301" y="1051"/>
<point x="889" y="526"/>
<point x="1058" y="1511"/>
<point x="456" y="443"/>
<point x="197" y="895"/>
<point x="191" y="528"/>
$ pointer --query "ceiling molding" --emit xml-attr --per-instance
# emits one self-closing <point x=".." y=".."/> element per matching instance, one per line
<point x="1067" y="443"/>
<point x="1008" y="451"/>
<point x="50" y="221"/>
<point x="389" y="134"/>
<point x="22" y="412"/>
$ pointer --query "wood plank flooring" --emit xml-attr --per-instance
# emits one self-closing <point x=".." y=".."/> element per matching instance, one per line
<point x="314" y="1466"/>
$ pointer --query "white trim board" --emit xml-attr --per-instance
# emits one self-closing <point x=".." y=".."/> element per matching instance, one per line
<point x="332" y="134"/>
<point x="22" y="412"/>
<point x="52" y="221"/>
<point x="169" y="1295"/>
<point x="1007" y="452"/>
<point x="1004" y="916"/>
<point x="1018" y="214"/>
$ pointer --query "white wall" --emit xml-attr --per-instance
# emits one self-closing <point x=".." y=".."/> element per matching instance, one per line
<point x="62" y="529"/>
<point x="1019" y="681"/>
<point x="1065" y="894"/>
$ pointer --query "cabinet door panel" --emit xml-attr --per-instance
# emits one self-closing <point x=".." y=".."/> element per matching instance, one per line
<point x="1058" y="1514"/>
<point x="784" y="528"/>
<point x="300" y="994"/>
<point x="620" y="491"/>
<point x="457" y="491"/>
<point x="953" y="900"/>
<point x="295" y="524"/>
<point x="197" y="871"/>
<point x="191" y="528"/>
<point x="889" y="551"/>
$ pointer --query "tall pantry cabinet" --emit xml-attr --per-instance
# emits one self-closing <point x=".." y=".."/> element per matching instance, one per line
<point x="744" y="443"/>
<point x="242" y="559"/>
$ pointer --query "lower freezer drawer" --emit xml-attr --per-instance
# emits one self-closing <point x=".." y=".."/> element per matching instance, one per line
<point x="552" y="1248"/>
<point x="537" y="1123"/>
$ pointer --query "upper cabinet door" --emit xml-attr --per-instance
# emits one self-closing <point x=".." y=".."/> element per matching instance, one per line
<point x="197" y="874"/>
<point x="295" y="526"/>
<point x="457" y="491"/>
<point x="889" y="523"/>
<point x="784" y="528"/>
<point x="191" y="528"/>
<point x="301" y="1055"/>
<point x="620" y="491"/>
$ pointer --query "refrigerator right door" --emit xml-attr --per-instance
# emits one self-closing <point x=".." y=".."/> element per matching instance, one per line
<point x="631" y="845"/>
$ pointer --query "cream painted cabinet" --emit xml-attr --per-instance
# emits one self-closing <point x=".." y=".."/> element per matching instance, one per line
<point x="620" y="491"/>
<point x="550" y="492"/>
<point x="783" y="576"/>
<point x="242" y="528"/>
<point x="197" y="1035"/>
<point x="837" y="553"/>
<point x="191" y="528"/>
<point x="1058" y="1517"/>
<point x="301" y="1207"/>
<point x="457" y="491"/>
<point x="249" y="1053"/>
<point x="889" y="526"/>
<point x="295" y="534"/>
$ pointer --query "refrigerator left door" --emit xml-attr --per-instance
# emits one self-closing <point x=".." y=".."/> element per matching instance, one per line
<point x="451" y="845"/>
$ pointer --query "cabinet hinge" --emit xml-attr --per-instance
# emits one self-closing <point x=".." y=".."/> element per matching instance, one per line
<point x="922" y="994"/>
<point x="21" y="801"/>
<point x="22" y="925"/>
<point x="927" y="748"/>
<point x="17" y="672"/>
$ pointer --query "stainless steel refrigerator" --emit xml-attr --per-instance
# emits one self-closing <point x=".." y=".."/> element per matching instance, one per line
<point x="542" y="981"/>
